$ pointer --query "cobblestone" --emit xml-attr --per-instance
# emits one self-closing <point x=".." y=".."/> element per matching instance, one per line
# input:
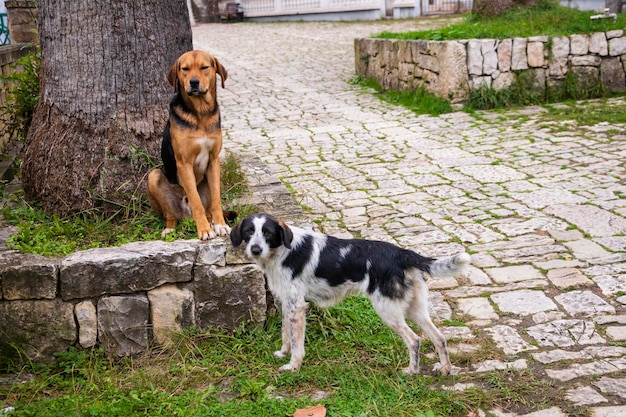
<point x="540" y="204"/>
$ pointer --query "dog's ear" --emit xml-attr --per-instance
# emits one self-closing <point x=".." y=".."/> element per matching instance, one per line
<point x="235" y="235"/>
<point x="286" y="234"/>
<point x="221" y="71"/>
<point x="172" y="76"/>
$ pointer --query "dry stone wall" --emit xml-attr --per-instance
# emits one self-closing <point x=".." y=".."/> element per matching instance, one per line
<point x="451" y="69"/>
<point x="125" y="297"/>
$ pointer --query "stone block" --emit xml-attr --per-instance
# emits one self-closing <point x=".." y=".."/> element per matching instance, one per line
<point x="225" y="297"/>
<point x="490" y="56"/>
<point x="579" y="44"/>
<point x="617" y="46"/>
<point x="584" y="303"/>
<point x="474" y="57"/>
<point x="39" y="327"/>
<point x="96" y="272"/>
<point x="452" y="81"/>
<point x="559" y="56"/>
<point x="598" y="44"/>
<point x="519" y="60"/>
<point x="523" y="302"/>
<point x="503" y="80"/>
<point x="586" y="60"/>
<point x="172" y="310"/>
<point x="87" y="320"/>
<point x="535" y="54"/>
<point x="568" y="277"/>
<point x="613" y="76"/>
<point x="123" y="324"/>
<point x="505" y="51"/>
<point x="27" y="277"/>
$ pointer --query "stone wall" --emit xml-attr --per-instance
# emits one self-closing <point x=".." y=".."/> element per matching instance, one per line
<point x="125" y="297"/>
<point x="451" y="69"/>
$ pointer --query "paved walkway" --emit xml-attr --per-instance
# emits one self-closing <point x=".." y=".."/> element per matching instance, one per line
<point x="541" y="206"/>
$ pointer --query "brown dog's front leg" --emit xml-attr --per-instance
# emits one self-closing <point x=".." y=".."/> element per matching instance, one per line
<point x="215" y="205"/>
<point x="188" y="182"/>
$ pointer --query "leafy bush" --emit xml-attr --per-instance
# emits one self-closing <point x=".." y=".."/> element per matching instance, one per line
<point x="23" y="90"/>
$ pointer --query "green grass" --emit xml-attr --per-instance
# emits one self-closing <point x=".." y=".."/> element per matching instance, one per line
<point x="51" y="235"/>
<point x="547" y="18"/>
<point x="419" y="100"/>
<point x="351" y="356"/>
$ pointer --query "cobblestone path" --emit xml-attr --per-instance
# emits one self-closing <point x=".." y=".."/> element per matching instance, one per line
<point x="541" y="205"/>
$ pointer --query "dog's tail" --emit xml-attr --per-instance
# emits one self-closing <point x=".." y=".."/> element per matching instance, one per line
<point x="450" y="266"/>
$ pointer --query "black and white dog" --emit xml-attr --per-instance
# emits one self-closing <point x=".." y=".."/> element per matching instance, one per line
<point x="302" y="265"/>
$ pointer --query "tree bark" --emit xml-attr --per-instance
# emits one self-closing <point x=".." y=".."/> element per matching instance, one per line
<point x="98" y="124"/>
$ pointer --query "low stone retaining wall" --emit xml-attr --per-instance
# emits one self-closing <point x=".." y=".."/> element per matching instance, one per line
<point x="451" y="69"/>
<point x="124" y="297"/>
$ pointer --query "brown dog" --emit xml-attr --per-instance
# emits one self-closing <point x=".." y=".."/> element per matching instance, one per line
<point x="189" y="182"/>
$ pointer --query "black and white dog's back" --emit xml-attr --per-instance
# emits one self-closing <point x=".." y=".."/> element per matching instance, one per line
<point x="302" y="265"/>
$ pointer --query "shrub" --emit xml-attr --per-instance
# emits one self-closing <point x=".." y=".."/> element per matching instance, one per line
<point x="22" y="90"/>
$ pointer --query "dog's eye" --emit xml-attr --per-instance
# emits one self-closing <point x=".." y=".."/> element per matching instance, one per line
<point x="249" y="232"/>
<point x="204" y="67"/>
<point x="184" y="69"/>
<point x="267" y="234"/>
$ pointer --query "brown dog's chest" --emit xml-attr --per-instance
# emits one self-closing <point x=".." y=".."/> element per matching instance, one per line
<point x="205" y="148"/>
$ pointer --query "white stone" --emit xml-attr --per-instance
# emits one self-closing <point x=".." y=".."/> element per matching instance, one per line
<point x="474" y="57"/>
<point x="614" y="386"/>
<point x="171" y="309"/>
<point x="477" y="307"/>
<point x="584" y="303"/>
<point x="585" y="396"/>
<point x="579" y="44"/>
<point x="523" y="302"/>
<point x="614" y="411"/>
<point x="586" y="249"/>
<point x="87" y="319"/>
<point x="598" y="44"/>
<point x="492" y="365"/>
<point x="591" y="219"/>
<point x="565" y="333"/>
<point x="507" y="339"/>
<point x="490" y="57"/>
<point x="617" y="46"/>
<point x="513" y="273"/>
<point x="616" y="332"/>
<point x="535" y="54"/>
<point x="505" y="50"/>
<point x="610" y="284"/>
<point x="519" y="61"/>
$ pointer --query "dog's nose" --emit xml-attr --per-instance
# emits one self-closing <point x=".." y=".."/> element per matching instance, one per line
<point x="194" y="83"/>
<point x="255" y="250"/>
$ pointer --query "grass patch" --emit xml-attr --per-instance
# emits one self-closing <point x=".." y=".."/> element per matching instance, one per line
<point x="51" y="235"/>
<point x="351" y="356"/>
<point x="418" y="101"/>
<point x="545" y="18"/>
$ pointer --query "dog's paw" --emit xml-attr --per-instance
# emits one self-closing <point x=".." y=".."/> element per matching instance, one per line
<point x="410" y="371"/>
<point x="221" y="229"/>
<point x="280" y="354"/>
<point x="206" y="234"/>
<point x="443" y="370"/>
<point x="288" y="368"/>
<point x="166" y="231"/>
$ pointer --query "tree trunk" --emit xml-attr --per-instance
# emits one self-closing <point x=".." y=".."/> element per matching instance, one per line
<point x="99" y="121"/>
